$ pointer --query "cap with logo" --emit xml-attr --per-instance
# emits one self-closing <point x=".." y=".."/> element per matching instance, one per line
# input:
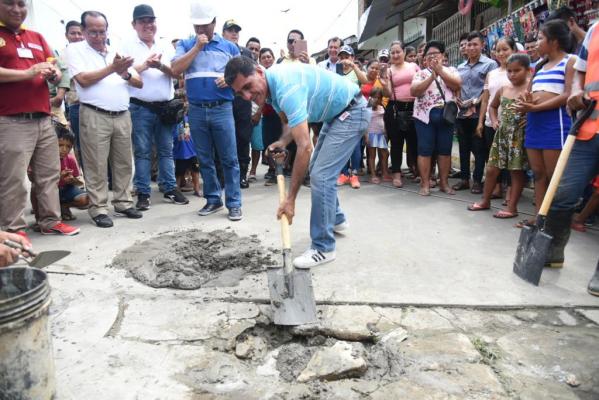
<point x="383" y="53"/>
<point x="347" y="49"/>
<point x="231" y="24"/>
<point x="202" y="12"/>
<point x="143" y="11"/>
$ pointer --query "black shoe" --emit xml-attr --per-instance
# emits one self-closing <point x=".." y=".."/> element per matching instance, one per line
<point x="271" y="181"/>
<point x="129" y="213"/>
<point x="103" y="221"/>
<point x="243" y="183"/>
<point x="235" y="214"/>
<point x="143" y="202"/>
<point x="269" y="174"/>
<point x="176" y="197"/>
<point x="210" y="209"/>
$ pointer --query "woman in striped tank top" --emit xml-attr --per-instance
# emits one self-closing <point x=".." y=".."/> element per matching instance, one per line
<point x="547" y="120"/>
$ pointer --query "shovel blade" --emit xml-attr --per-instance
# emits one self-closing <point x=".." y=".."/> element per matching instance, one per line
<point x="298" y="308"/>
<point x="46" y="258"/>
<point x="533" y="247"/>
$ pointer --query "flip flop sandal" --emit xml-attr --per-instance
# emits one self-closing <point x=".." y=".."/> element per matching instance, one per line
<point x="476" y="207"/>
<point x="502" y="214"/>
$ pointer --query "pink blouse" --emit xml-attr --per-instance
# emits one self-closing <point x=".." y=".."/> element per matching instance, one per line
<point x="402" y="81"/>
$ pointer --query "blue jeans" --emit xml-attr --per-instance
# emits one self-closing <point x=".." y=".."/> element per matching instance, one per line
<point x="336" y="142"/>
<point x="147" y="128"/>
<point x="74" y="119"/>
<point x="436" y="136"/>
<point x="214" y="128"/>
<point x="583" y="165"/>
<point x="354" y="160"/>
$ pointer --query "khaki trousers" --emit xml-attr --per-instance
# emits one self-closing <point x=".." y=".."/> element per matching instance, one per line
<point x="103" y="138"/>
<point x="25" y="142"/>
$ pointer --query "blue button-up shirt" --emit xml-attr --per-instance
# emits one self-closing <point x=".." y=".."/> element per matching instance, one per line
<point x="473" y="77"/>
<point x="208" y="65"/>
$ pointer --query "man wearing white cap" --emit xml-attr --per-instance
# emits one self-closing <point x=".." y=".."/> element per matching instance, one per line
<point x="203" y="58"/>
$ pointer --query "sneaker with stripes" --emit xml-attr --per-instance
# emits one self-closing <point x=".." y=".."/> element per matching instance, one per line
<point x="312" y="258"/>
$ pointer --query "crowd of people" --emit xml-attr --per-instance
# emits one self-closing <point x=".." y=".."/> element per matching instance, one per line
<point x="208" y="106"/>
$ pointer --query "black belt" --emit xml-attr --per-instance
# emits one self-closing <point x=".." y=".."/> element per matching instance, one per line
<point x="402" y="105"/>
<point x="103" y="111"/>
<point x="210" y="104"/>
<point x="33" y="115"/>
<point x="352" y="103"/>
<point x="148" y="104"/>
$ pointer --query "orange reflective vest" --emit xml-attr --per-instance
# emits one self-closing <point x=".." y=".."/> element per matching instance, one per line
<point x="591" y="88"/>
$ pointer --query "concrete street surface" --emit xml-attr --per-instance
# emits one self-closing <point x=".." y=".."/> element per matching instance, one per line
<point x="421" y="303"/>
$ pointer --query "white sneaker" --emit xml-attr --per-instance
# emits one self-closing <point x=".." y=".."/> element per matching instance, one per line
<point x="341" y="227"/>
<point x="312" y="258"/>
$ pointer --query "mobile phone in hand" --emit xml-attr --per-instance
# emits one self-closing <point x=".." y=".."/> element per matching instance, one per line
<point x="300" y="46"/>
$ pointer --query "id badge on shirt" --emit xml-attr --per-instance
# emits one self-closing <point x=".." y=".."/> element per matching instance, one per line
<point x="343" y="116"/>
<point x="24" y="52"/>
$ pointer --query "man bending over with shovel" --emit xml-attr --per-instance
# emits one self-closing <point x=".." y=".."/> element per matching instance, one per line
<point x="583" y="163"/>
<point x="304" y="94"/>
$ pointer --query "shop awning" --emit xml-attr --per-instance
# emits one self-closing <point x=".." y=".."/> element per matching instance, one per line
<point x="384" y="14"/>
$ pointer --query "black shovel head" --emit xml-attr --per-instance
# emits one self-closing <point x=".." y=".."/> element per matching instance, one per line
<point x="292" y="299"/>
<point x="531" y="254"/>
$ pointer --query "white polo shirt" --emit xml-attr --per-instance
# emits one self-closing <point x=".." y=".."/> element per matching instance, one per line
<point x="157" y="85"/>
<point x="110" y="93"/>
<point x="329" y="65"/>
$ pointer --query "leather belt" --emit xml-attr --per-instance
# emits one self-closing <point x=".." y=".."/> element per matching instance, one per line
<point x="33" y="115"/>
<point x="103" y="111"/>
<point x="210" y="104"/>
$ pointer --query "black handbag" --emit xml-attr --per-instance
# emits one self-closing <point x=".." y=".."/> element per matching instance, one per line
<point x="450" y="109"/>
<point x="172" y="112"/>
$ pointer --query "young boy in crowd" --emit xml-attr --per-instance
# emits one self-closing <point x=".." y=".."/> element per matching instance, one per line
<point x="69" y="186"/>
<point x="186" y="160"/>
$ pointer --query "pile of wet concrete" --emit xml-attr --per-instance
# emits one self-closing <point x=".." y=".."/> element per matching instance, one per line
<point x="193" y="258"/>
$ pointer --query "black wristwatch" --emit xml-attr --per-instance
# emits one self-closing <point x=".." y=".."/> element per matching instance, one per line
<point x="127" y="77"/>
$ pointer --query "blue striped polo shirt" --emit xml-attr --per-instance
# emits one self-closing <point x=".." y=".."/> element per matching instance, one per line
<point x="208" y="65"/>
<point x="308" y="92"/>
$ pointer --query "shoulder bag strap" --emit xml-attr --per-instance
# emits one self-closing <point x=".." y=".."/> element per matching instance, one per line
<point x="440" y="90"/>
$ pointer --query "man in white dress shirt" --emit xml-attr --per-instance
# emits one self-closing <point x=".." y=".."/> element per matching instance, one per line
<point x="152" y="61"/>
<point x="102" y="78"/>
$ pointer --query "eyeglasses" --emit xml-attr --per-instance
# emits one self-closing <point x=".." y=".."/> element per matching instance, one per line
<point x="96" y="33"/>
<point x="290" y="41"/>
<point x="434" y="53"/>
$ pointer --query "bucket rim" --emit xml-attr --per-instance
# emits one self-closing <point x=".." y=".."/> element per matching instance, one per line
<point x="40" y="286"/>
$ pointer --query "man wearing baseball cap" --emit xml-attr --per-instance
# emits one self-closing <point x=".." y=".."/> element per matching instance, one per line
<point x="203" y="58"/>
<point x="152" y="62"/>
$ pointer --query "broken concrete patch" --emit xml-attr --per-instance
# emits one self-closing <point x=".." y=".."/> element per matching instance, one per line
<point x="292" y="360"/>
<point x="592" y="315"/>
<point x="566" y="318"/>
<point x="342" y="360"/>
<point x="192" y="259"/>
<point x="424" y="319"/>
<point x="250" y="347"/>
<point x="444" y="348"/>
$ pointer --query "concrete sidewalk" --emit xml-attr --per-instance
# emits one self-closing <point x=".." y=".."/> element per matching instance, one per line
<point x="417" y="305"/>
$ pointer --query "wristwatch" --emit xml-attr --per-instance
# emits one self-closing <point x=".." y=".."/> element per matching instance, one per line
<point x="127" y="77"/>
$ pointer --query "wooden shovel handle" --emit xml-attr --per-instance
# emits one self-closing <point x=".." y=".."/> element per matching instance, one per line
<point x="285" y="235"/>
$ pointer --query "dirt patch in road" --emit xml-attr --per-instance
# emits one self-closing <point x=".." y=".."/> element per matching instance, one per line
<point x="194" y="258"/>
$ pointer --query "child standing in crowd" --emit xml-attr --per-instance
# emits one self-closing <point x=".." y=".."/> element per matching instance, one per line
<point x="185" y="157"/>
<point x="547" y="120"/>
<point x="411" y="55"/>
<point x="507" y="150"/>
<point x="69" y="185"/>
<point x="376" y="138"/>
<point x="496" y="79"/>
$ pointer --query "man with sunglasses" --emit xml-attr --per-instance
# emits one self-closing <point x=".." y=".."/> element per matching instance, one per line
<point x="102" y="78"/>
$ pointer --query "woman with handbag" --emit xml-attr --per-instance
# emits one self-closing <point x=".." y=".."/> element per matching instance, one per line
<point x="435" y="112"/>
<point x="397" y="79"/>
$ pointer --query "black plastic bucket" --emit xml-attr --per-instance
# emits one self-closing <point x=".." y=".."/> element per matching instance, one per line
<point x="26" y="360"/>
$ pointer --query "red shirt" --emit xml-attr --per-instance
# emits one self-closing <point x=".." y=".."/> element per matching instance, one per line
<point x="69" y="162"/>
<point x="24" y="96"/>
